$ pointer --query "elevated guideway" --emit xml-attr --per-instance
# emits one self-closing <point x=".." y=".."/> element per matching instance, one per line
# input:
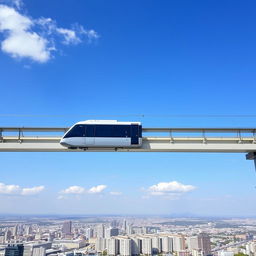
<point x="225" y="140"/>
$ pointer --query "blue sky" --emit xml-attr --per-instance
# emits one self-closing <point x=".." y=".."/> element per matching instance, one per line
<point x="127" y="60"/>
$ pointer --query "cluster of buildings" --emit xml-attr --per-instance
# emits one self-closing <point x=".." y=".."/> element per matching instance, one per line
<point x="31" y="240"/>
<point x="151" y="244"/>
<point x="248" y="248"/>
<point x="117" y="236"/>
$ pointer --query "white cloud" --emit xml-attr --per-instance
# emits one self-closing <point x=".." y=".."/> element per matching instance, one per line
<point x="32" y="191"/>
<point x="97" y="189"/>
<point x="35" y="39"/>
<point x="19" y="41"/>
<point x="74" y="190"/>
<point x="172" y="186"/>
<point x="77" y="190"/>
<point x="11" y="20"/>
<point x="15" y="3"/>
<point x="76" y="34"/>
<point x="91" y="34"/>
<point x="70" y="36"/>
<point x="17" y="190"/>
<point x="115" y="193"/>
<point x="171" y="189"/>
<point x="29" y="45"/>
<point x="9" y="189"/>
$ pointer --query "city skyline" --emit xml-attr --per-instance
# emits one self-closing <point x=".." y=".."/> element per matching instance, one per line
<point x="127" y="236"/>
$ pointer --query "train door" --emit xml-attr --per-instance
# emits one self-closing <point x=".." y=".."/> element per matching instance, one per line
<point x="134" y="134"/>
<point x="90" y="135"/>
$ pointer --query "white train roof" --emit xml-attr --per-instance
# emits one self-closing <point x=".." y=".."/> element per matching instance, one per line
<point x="106" y="122"/>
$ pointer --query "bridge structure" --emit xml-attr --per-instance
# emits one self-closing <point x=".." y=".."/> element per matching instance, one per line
<point x="222" y="140"/>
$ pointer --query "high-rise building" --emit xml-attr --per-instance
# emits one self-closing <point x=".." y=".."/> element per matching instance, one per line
<point x="89" y="233"/>
<point x="109" y="232"/>
<point x="66" y="228"/>
<point x="2" y="238"/>
<point x="144" y="230"/>
<point x="8" y="236"/>
<point x="146" y="246"/>
<point x="100" y="245"/>
<point x="125" y="226"/>
<point x="193" y="243"/>
<point x="129" y="230"/>
<point x="178" y="243"/>
<point x="156" y="245"/>
<point x="167" y="244"/>
<point x="14" y="250"/>
<point x="201" y="242"/>
<point x="15" y="230"/>
<point x="112" y="246"/>
<point x="100" y="231"/>
<point x="204" y="244"/>
<point x="114" y="223"/>
<point x="29" y="249"/>
<point x="125" y="246"/>
<point x="28" y="230"/>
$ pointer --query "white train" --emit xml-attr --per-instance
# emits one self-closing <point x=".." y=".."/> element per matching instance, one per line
<point x="103" y="133"/>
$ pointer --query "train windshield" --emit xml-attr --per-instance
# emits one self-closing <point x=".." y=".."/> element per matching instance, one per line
<point x="76" y="131"/>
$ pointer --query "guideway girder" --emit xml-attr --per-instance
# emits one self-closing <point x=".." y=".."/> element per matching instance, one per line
<point x="46" y="139"/>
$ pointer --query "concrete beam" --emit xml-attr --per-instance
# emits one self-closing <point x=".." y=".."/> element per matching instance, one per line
<point x="150" y="144"/>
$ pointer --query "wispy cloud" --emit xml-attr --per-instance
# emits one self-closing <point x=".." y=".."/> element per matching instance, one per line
<point x="17" y="190"/>
<point x="77" y="190"/>
<point x="69" y="36"/>
<point x="36" y="39"/>
<point x="14" y="3"/>
<point x="171" y="190"/>
<point x="97" y="189"/>
<point x="73" y="190"/>
<point x="76" y="34"/>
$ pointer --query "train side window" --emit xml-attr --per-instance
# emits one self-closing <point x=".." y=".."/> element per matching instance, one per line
<point x="104" y="131"/>
<point x="76" y="131"/>
<point x="127" y="130"/>
<point x="89" y="132"/>
<point x="119" y="131"/>
<point x="122" y="131"/>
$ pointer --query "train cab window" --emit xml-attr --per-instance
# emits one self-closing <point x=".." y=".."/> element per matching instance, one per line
<point x="76" y="131"/>
<point x="89" y="130"/>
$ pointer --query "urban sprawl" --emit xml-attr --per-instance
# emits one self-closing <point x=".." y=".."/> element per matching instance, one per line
<point x="126" y="236"/>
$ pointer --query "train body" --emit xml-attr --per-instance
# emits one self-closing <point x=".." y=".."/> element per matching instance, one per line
<point x="103" y="133"/>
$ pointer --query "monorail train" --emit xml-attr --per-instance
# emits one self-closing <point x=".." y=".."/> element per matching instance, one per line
<point x="103" y="133"/>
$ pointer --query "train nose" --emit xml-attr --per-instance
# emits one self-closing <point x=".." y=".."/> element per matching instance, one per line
<point x="63" y="143"/>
